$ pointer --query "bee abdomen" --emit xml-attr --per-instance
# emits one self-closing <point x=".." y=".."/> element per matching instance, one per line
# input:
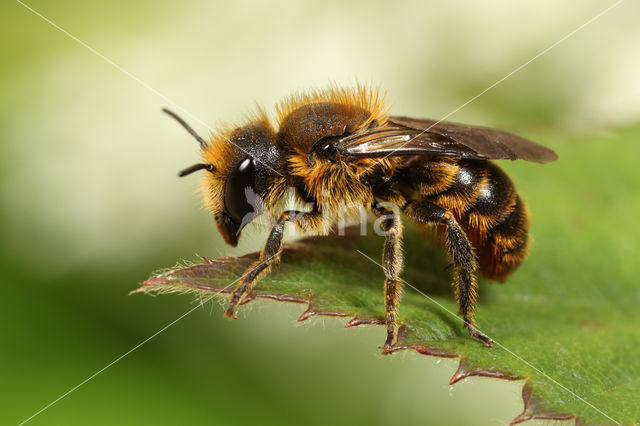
<point x="498" y="225"/>
<point x="485" y="203"/>
<point x="454" y="185"/>
<point x="502" y="247"/>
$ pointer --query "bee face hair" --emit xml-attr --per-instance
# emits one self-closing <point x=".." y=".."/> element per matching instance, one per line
<point x="247" y="168"/>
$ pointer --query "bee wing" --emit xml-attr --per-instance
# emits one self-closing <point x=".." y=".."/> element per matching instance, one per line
<point x="408" y="136"/>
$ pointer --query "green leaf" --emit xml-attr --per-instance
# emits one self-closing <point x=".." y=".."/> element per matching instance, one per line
<point x="567" y="321"/>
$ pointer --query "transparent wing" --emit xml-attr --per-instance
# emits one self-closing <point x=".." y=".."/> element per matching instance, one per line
<point x="404" y="136"/>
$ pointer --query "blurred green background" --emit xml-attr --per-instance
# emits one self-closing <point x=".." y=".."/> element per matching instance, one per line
<point x="91" y="201"/>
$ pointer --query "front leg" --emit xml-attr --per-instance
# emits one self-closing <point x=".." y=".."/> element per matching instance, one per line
<point x="392" y="266"/>
<point x="462" y="256"/>
<point x="270" y="254"/>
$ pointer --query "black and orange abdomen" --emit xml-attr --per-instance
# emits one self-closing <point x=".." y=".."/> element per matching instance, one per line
<point x="498" y="225"/>
<point x="505" y="245"/>
<point x="484" y="202"/>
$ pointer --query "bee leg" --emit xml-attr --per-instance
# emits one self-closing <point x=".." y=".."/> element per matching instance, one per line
<point x="392" y="266"/>
<point x="269" y="255"/>
<point x="462" y="256"/>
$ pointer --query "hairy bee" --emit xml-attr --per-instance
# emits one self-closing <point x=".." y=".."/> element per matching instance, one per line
<point x="339" y="148"/>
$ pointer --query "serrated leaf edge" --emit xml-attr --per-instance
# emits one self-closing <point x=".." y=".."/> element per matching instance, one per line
<point x="532" y="405"/>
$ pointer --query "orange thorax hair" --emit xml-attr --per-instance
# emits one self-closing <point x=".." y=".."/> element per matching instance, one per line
<point x="306" y="120"/>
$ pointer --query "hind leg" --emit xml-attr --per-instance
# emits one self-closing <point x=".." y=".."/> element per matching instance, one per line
<point x="462" y="257"/>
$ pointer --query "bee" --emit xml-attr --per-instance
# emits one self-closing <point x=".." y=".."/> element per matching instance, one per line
<point x="338" y="147"/>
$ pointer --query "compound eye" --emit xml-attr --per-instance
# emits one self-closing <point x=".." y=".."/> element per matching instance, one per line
<point x="240" y="181"/>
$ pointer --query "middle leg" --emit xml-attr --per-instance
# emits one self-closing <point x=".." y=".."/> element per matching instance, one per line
<point x="392" y="265"/>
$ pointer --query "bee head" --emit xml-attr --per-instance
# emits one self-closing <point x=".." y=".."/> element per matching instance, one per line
<point x="241" y="177"/>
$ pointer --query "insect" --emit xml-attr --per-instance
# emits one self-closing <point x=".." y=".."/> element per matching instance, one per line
<point x="338" y="147"/>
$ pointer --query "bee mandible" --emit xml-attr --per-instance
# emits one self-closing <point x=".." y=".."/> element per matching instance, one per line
<point x="339" y="147"/>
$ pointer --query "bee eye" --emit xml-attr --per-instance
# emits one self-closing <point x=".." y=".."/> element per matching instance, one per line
<point x="235" y="198"/>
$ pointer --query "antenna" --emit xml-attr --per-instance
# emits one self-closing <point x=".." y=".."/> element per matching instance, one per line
<point x="195" y="168"/>
<point x="184" y="124"/>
